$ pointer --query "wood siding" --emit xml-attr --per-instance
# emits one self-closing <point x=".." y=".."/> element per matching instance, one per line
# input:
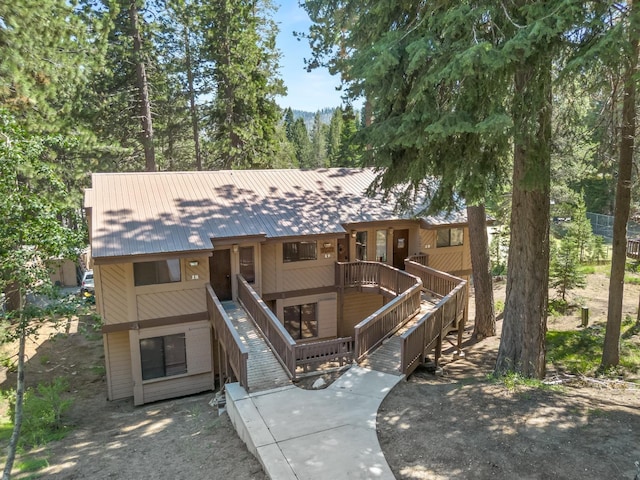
<point x="327" y="311"/>
<point x="446" y="259"/>
<point x="356" y="307"/>
<point x="118" y="364"/>
<point x="173" y="303"/>
<point x="177" y="387"/>
<point x="114" y="292"/>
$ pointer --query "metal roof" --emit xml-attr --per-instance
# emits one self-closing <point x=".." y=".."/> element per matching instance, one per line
<point x="150" y="213"/>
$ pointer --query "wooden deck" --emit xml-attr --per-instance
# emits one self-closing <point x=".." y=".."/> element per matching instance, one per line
<point x="264" y="370"/>
<point x="386" y="358"/>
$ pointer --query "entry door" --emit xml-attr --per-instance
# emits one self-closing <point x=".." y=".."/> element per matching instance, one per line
<point x="343" y="249"/>
<point x="400" y="247"/>
<point x="220" y="273"/>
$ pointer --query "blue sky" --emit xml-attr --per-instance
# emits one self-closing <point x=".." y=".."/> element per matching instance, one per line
<point x="306" y="91"/>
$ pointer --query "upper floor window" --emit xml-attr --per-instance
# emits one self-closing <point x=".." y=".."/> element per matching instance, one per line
<point x="361" y="245"/>
<point x="381" y="245"/>
<point x="152" y="273"/>
<point x="247" y="264"/>
<point x="450" y="237"/>
<point x="299" y="251"/>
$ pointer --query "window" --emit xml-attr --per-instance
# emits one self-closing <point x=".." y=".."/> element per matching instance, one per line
<point x="301" y="321"/>
<point x="450" y="238"/>
<point x="298" y="251"/>
<point x="152" y="273"/>
<point x="381" y="245"/>
<point x="361" y="245"/>
<point x="163" y="356"/>
<point x="247" y="265"/>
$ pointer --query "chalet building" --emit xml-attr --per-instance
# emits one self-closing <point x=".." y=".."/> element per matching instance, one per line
<point x="306" y="253"/>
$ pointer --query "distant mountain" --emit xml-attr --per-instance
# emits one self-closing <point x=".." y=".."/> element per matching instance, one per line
<point x="325" y="116"/>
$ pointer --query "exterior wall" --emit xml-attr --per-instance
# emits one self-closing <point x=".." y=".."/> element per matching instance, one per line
<point x="63" y="273"/>
<point x="118" y="365"/>
<point x="199" y="376"/>
<point x="326" y="311"/>
<point x="452" y="260"/>
<point x="356" y="306"/>
<point x="278" y="276"/>
<point x="371" y="229"/>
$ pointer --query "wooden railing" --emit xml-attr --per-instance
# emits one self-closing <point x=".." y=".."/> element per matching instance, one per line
<point x="427" y="334"/>
<point x="381" y="324"/>
<point x="236" y="352"/>
<point x="433" y="281"/>
<point x="633" y="249"/>
<point x="274" y="333"/>
<point x="290" y="354"/>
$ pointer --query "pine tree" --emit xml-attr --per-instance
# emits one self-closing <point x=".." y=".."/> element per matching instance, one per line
<point x="318" y="142"/>
<point x="565" y="273"/>
<point x="302" y="144"/>
<point x="334" y="135"/>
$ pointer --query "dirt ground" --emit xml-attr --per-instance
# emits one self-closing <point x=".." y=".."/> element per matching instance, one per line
<point x="462" y="426"/>
<point x="457" y="425"/>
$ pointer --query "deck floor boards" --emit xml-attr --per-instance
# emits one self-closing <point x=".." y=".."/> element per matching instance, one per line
<point x="264" y="370"/>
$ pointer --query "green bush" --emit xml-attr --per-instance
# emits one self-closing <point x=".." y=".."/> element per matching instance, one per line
<point x="43" y="409"/>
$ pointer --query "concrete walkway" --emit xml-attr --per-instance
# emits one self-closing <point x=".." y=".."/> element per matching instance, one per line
<point x="315" y="434"/>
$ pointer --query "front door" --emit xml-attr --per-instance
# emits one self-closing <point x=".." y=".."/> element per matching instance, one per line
<point x="343" y="249"/>
<point x="220" y="273"/>
<point x="400" y="247"/>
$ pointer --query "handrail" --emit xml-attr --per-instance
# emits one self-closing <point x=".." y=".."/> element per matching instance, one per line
<point x="237" y="352"/>
<point x="428" y="332"/>
<point x="434" y="281"/>
<point x="633" y="248"/>
<point x="274" y="333"/>
<point x="378" y="326"/>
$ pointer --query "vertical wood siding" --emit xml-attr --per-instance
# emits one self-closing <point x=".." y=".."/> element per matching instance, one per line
<point x="119" y="378"/>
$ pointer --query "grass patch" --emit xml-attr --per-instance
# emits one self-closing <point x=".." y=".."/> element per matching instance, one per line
<point x="587" y="269"/>
<point x="32" y="464"/>
<point x="632" y="279"/>
<point x="514" y="382"/>
<point x="6" y="428"/>
<point x="580" y="351"/>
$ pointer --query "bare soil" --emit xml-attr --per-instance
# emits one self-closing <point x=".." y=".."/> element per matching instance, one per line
<point x="456" y="425"/>
<point x="462" y="425"/>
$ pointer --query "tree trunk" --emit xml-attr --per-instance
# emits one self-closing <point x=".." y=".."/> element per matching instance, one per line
<point x="611" y="349"/>
<point x="17" y="420"/>
<point x="193" y="109"/>
<point x="522" y="345"/>
<point x="146" y="136"/>
<point x="485" y="322"/>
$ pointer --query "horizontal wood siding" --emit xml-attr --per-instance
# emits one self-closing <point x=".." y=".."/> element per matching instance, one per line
<point x="119" y="378"/>
<point x="177" y="387"/>
<point x="113" y="287"/>
<point x="268" y="253"/>
<point x="356" y="307"/>
<point x="172" y="303"/>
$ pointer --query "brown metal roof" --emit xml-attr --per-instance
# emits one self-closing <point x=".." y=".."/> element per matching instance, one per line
<point x="147" y="213"/>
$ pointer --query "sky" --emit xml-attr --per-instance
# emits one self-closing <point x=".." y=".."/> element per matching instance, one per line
<point x="308" y="91"/>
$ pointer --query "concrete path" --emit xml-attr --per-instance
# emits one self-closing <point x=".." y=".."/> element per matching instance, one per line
<point x="315" y="434"/>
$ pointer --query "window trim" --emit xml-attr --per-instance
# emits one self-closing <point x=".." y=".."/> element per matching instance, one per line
<point x="362" y="246"/>
<point x="300" y="320"/>
<point x="183" y="371"/>
<point x="379" y="237"/>
<point x="252" y="265"/>
<point x="449" y="236"/>
<point x="156" y="263"/>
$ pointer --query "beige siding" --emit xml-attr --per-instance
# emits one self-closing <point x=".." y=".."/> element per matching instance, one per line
<point x="171" y="303"/>
<point x="177" y="387"/>
<point x="303" y="277"/>
<point x="269" y="284"/>
<point x="356" y="307"/>
<point x="118" y="358"/>
<point x="198" y="340"/>
<point x="113" y="289"/>
<point x="327" y="310"/>
<point x="446" y="259"/>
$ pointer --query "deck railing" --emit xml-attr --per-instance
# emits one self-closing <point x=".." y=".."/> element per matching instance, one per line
<point x="236" y="352"/>
<point x="427" y="334"/>
<point x="633" y="249"/>
<point x="378" y="326"/>
<point x="274" y="333"/>
<point x="433" y="281"/>
<point x="290" y="354"/>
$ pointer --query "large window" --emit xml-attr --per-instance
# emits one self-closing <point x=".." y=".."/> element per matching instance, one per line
<point x="247" y="264"/>
<point x="361" y="245"/>
<point x="381" y="245"/>
<point x="299" y="251"/>
<point x="451" y="237"/>
<point x="163" y="356"/>
<point x="152" y="273"/>
<point x="301" y="321"/>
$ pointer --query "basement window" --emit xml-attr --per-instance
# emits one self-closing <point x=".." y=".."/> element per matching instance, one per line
<point x="163" y="356"/>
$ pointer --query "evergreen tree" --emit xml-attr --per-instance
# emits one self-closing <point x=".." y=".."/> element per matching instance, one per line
<point x="349" y="152"/>
<point x="334" y="136"/>
<point x="318" y="142"/>
<point x="240" y="41"/>
<point x="302" y="144"/>
<point x="565" y="273"/>
<point x="580" y="229"/>
<point x="289" y="120"/>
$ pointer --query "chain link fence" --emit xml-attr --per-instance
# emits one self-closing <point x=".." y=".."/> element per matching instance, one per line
<point x="603" y="225"/>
